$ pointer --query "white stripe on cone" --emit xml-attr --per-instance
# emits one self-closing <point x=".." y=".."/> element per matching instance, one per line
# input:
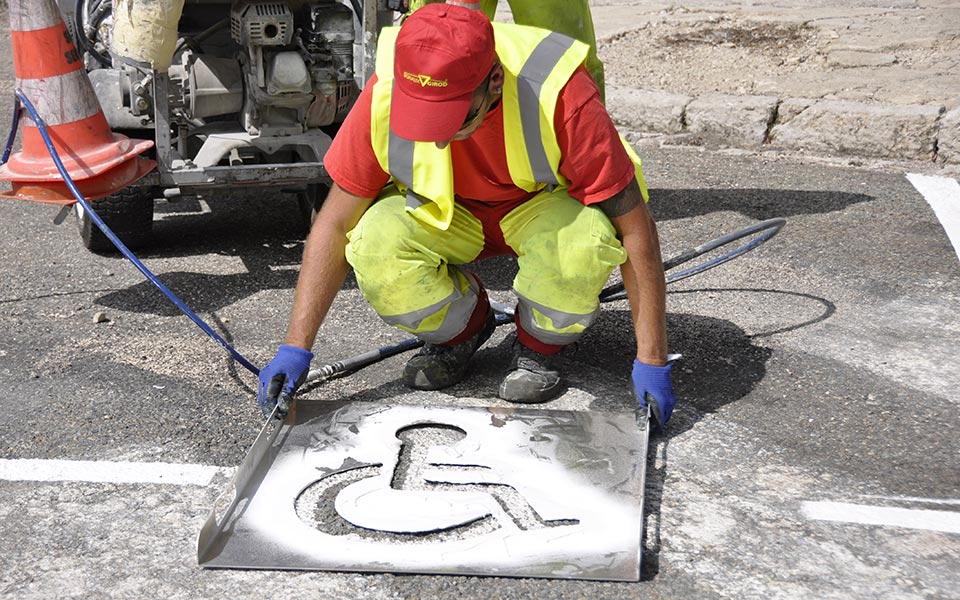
<point x="27" y="15"/>
<point x="48" y="95"/>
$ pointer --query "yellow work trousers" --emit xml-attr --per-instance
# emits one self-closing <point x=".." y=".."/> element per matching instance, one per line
<point x="408" y="271"/>
<point x="569" y="17"/>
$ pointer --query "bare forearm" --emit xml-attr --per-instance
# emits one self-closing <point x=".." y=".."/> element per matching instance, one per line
<point x="643" y="276"/>
<point x="323" y="271"/>
<point x="648" y="309"/>
<point x="324" y="265"/>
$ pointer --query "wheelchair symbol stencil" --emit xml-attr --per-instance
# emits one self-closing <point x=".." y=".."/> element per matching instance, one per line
<point x="418" y="501"/>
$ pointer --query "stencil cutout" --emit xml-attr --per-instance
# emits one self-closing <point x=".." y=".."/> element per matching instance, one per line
<point x="515" y="492"/>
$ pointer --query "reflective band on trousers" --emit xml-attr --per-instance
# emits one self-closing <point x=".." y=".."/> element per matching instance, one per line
<point x="30" y="15"/>
<point x="534" y="72"/>
<point x="574" y="324"/>
<point x="48" y="95"/>
<point x="456" y="309"/>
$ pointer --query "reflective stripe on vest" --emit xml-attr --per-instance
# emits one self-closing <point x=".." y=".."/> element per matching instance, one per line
<point x="529" y="104"/>
<point x="529" y="83"/>
<point x="537" y="64"/>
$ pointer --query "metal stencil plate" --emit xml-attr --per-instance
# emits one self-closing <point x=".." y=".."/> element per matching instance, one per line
<point x="471" y="491"/>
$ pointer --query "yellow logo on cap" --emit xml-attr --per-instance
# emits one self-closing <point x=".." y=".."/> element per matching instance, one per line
<point x="425" y="80"/>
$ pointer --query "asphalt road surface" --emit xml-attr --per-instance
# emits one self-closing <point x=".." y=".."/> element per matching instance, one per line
<point x="814" y="450"/>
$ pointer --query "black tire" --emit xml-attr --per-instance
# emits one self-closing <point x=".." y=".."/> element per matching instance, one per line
<point x="310" y="202"/>
<point x="128" y="213"/>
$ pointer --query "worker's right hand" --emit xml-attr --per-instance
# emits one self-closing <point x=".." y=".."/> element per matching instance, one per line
<point x="654" y="382"/>
<point x="282" y="376"/>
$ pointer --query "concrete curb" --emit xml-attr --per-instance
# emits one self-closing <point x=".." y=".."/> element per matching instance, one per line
<point x="915" y="132"/>
<point x="948" y="141"/>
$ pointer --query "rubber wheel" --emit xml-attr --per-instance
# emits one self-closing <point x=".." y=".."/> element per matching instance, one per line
<point x="128" y="213"/>
<point x="310" y="202"/>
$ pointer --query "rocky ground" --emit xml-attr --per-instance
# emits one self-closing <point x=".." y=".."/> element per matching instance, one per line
<point x="891" y="55"/>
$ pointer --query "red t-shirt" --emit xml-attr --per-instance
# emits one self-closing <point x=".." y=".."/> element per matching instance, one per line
<point x="593" y="158"/>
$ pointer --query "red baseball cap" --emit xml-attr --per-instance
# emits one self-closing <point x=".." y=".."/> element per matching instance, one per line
<point x="443" y="53"/>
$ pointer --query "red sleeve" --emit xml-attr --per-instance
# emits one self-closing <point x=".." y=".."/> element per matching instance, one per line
<point x="593" y="158"/>
<point x="350" y="160"/>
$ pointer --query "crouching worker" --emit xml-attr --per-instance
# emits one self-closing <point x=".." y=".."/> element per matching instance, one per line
<point x="476" y="139"/>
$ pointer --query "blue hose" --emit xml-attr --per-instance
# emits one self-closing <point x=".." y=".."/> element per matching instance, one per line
<point x="13" y="132"/>
<point x="767" y="229"/>
<point x="110" y="235"/>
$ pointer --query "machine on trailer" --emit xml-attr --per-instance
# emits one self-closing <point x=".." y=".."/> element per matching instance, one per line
<point x="239" y="93"/>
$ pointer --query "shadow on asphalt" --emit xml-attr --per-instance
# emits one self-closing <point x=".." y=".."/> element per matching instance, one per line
<point x="271" y="249"/>
<point x="202" y="292"/>
<point x="828" y="307"/>
<point x="238" y="224"/>
<point x="668" y="204"/>
<point x="720" y="362"/>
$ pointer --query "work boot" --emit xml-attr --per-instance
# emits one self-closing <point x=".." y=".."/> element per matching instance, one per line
<point x="531" y="378"/>
<point x="436" y="367"/>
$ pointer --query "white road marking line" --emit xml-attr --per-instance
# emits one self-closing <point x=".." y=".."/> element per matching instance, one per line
<point x="914" y="499"/>
<point x="943" y="196"/>
<point x="931" y="520"/>
<point x="107" y="472"/>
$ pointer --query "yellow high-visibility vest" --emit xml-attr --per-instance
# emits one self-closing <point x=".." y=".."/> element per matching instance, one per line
<point x="537" y="64"/>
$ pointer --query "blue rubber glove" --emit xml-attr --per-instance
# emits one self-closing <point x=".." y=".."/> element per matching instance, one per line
<point x="281" y="377"/>
<point x="655" y="381"/>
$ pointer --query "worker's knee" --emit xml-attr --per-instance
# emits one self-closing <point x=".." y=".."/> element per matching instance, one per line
<point x="567" y="265"/>
<point x="389" y="240"/>
<point x="380" y="232"/>
<point x="384" y="250"/>
<point x="388" y="245"/>
<point x="563" y="267"/>
<point x="403" y="268"/>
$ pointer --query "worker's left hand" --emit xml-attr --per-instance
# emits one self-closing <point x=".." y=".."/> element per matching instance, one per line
<point x="281" y="377"/>
<point x="654" y="382"/>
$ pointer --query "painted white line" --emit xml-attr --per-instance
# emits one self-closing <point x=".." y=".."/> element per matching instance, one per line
<point x="931" y="520"/>
<point x="943" y="196"/>
<point x="106" y="472"/>
<point x="914" y="499"/>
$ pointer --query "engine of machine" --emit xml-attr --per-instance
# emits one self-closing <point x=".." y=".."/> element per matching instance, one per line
<point x="297" y="68"/>
<point x="223" y="82"/>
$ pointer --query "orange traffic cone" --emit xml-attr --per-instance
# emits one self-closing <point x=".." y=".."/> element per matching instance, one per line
<point x="50" y="74"/>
